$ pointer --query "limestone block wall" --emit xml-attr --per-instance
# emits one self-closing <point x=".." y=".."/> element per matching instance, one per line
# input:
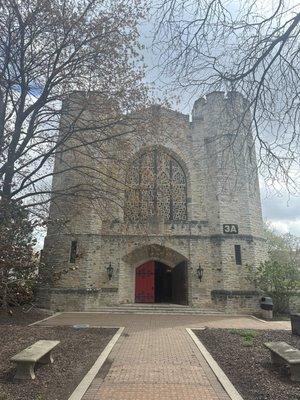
<point x="232" y="183"/>
<point x="126" y="252"/>
<point x="215" y="151"/>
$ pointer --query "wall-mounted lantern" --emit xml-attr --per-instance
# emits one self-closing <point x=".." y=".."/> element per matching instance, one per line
<point x="110" y="271"/>
<point x="200" y="271"/>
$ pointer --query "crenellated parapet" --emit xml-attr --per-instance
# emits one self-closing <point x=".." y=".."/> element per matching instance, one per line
<point x="223" y="113"/>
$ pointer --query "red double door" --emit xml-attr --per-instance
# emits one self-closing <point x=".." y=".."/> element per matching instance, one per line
<point x="145" y="283"/>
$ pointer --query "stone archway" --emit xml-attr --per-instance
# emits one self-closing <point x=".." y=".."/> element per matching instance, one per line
<point x="155" y="274"/>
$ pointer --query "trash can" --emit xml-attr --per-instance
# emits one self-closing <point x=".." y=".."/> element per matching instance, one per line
<point x="295" y="322"/>
<point x="266" y="305"/>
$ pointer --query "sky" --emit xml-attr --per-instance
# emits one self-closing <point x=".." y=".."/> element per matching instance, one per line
<point x="280" y="208"/>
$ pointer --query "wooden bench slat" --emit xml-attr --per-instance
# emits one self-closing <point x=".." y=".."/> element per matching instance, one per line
<point x="35" y="351"/>
<point x="285" y="351"/>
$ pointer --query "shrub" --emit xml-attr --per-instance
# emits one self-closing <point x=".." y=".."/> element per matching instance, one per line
<point x="277" y="280"/>
<point x="18" y="265"/>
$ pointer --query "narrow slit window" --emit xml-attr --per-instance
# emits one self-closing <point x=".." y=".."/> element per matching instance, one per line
<point x="73" y="251"/>
<point x="238" y="254"/>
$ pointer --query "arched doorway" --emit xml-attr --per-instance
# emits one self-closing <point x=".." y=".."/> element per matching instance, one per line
<point x="156" y="282"/>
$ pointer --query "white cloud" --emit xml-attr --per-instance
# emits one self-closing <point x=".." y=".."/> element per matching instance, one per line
<point x="285" y="226"/>
<point x="281" y="209"/>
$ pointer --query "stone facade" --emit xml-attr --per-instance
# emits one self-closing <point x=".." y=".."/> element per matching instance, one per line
<point x="182" y="183"/>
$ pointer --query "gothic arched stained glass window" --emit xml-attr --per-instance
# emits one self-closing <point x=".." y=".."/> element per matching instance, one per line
<point x="156" y="188"/>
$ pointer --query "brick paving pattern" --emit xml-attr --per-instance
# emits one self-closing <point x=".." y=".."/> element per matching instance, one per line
<point x="155" y="359"/>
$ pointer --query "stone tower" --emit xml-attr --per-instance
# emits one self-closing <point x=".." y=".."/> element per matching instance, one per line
<point x="188" y="201"/>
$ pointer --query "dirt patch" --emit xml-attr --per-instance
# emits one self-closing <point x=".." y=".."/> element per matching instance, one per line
<point x="248" y="365"/>
<point x="22" y="316"/>
<point x="73" y="357"/>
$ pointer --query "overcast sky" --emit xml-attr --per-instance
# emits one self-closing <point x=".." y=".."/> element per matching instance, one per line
<point x="281" y="209"/>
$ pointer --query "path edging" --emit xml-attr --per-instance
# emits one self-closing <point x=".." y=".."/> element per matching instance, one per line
<point x="45" y="319"/>
<point x="220" y="374"/>
<point x="258" y="319"/>
<point x="82" y="387"/>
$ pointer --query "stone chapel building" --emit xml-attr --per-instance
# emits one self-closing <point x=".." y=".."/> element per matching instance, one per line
<point x="188" y="225"/>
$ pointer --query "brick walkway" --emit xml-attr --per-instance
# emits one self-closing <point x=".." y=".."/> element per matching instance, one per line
<point x="155" y="358"/>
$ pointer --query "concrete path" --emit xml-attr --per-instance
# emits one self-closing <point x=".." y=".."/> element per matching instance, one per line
<point x="156" y="359"/>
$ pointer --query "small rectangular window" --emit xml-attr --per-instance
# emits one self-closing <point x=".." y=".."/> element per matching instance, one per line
<point x="238" y="254"/>
<point x="73" y="251"/>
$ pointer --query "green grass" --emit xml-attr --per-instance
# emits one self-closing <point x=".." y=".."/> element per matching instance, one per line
<point x="247" y="334"/>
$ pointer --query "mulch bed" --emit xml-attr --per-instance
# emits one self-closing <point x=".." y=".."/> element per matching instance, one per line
<point x="249" y="367"/>
<point x="22" y="316"/>
<point x="73" y="357"/>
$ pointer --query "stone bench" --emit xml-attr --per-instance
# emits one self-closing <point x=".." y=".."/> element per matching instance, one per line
<point x="38" y="352"/>
<point x="284" y="354"/>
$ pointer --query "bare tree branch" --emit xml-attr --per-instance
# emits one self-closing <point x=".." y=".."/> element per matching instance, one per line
<point x="249" y="47"/>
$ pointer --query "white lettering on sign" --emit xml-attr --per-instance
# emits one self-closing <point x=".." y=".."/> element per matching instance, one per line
<point x="230" y="228"/>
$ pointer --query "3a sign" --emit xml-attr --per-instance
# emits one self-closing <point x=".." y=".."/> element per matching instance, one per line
<point x="231" y="228"/>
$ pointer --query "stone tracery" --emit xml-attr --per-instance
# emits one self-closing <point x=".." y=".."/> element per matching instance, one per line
<point x="156" y="188"/>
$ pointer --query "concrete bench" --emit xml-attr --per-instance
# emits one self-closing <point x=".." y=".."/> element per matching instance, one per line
<point x="39" y="352"/>
<point x="284" y="354"/>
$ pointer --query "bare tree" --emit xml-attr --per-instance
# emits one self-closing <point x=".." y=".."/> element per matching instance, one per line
<point x="249" y="47"/>
<point x="48" y="50"/>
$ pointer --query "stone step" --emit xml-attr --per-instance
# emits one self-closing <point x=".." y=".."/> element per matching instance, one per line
<point x="149" y="310"/>
<point x="154" y="306"/>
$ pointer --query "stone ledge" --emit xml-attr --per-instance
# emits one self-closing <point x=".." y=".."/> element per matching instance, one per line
<point x="187" y="236"/>
<point x="222" y="294"/>
<point x="79" y="290"/>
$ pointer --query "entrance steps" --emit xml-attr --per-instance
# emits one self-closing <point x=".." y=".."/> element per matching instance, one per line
<point x="174" y="309"/>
